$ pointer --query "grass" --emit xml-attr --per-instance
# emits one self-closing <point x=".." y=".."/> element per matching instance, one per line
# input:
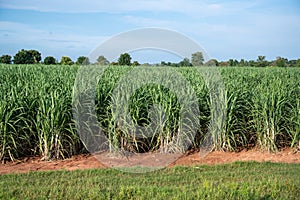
<point x="240" y="180"/>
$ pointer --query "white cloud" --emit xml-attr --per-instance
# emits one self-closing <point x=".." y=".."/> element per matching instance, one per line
<point x="57" y="43"/>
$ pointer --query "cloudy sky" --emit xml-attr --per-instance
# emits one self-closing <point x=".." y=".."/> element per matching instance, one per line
<point x="225" y="29"/>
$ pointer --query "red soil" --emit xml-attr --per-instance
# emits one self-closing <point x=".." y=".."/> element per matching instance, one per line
<point x="90" y="161"/>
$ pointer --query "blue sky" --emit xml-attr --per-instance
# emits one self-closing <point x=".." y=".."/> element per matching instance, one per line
<point x="226" y="29"/>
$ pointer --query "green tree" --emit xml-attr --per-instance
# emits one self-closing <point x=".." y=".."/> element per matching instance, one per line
<point x="242" y="63"/>
<point x="298" y="63"/>
<point x="36" y="56"/>
<point x="292" y="63"/>
<point x="135" y="63"/>
<point x="261" y="61"/>
<point x="101" y="60"/>
<point x="65" y="60"/>
<point x="6" y="59"/>
<point x="185" y="63"/>
<point x="251" y="63"/>
<point x="280" y="62"/>
<point x="261" y="58"/>
<point x="124" y="59"/>
<point x="49" y="60"/>
<point x="212" y="62"/>
<point x="163" y="63"/>
<point x="82" y="60"/>
<point x="24" y="57"/>
<point x="197" y="59"/>
<point x="230" y="62"/>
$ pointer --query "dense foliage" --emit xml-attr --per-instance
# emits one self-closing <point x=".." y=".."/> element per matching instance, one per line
<point x="263" y="110"/>
<point x="27" y="57"/>
<point x="49" y="60"/>
<point x="124" y="59"/>
<point x="5" y="59"/>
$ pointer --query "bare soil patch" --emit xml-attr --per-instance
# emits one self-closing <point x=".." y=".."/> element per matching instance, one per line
<point x="189" y="159"/>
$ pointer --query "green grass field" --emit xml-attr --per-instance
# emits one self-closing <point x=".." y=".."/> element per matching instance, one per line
<point x="241" y="180"/>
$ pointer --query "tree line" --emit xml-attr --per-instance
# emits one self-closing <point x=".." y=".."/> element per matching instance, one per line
<point x="34" y="57"/>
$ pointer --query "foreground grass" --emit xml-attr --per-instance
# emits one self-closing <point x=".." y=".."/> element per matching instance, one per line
<point x="250" y="180"/>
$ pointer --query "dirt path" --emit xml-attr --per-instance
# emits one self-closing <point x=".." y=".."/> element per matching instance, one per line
<point x="89" y="161"/>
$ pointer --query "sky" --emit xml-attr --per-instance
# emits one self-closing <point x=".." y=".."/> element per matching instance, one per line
<point x="225" y="29"/>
